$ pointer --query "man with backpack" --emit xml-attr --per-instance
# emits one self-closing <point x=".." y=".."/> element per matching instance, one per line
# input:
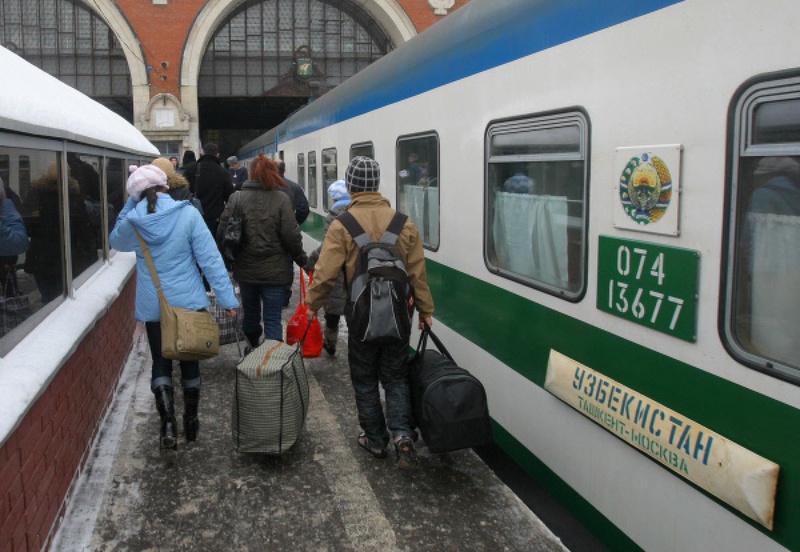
<point x="381" y="251"/>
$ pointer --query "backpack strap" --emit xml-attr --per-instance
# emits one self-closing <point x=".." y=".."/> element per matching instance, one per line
<point x="356" y="230"/>
<point x="392" y="232"/>
<point x="389" y="237"/>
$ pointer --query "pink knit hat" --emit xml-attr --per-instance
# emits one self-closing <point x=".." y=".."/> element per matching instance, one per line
<point x="146" y="176"/>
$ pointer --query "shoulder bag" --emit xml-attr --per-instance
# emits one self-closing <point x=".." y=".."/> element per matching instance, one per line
<point x="232" y="238"/>
<point x="185" y="334"/>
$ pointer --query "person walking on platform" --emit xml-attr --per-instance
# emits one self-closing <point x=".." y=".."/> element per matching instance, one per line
<point x="372" y="364"/>
<point x="300" y="207"/>
<point x="271" y="241"/>
<point x="179" y="242"/>
<point x="238" y="173"/>
<point x="334" y="308"/>
<point x="211" y="183"/>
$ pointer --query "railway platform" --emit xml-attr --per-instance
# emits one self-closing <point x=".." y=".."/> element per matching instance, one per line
<point x="325" y="494"/>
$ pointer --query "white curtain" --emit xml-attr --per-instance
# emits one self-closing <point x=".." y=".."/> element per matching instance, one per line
<point x="422" y="204"/>
<point x="775" y="257"/>
<point x="530" y="236"/>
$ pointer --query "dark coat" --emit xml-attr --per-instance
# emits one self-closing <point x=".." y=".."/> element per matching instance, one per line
<point x="211" y="183"/>
<point x="299" y="200"/>
<point x="271" y="233"/>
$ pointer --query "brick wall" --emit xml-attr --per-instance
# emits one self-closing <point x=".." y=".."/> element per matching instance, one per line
<point x="43" y="457"/>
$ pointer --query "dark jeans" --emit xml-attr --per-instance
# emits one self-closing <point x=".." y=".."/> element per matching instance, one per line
<point x="256" y="296"/>
<point x="162" y="367"/>
<point x="373" y="364"/>
<point x="332" y="321"/>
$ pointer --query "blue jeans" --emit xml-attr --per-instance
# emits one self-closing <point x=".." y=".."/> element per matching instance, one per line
<point x="162" y="367"/>
<point x="258" y="299"/>
<point x="373" y="364"/>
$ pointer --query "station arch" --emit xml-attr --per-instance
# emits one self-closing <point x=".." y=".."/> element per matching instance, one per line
<point x="387" y="15"/>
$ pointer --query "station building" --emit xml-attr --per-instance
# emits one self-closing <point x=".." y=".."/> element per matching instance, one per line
<point x="187" y="72"/>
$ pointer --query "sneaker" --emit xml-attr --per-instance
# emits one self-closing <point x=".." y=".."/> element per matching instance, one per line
<point x="406" y="456"/>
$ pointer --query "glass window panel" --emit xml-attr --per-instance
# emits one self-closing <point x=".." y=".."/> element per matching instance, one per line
<point x="763" y="306"/>
<point x="329" y="170"/>
<point x="418" y="185"/>
<point x="535" y="230"/>
<point x="777" y="122"/>
<point x="40" y="270"/>
<point x="301" y="172"/>
<point x="367" y="150"/>
<point x="85" y="212"/>
<point x="312" y="178"/>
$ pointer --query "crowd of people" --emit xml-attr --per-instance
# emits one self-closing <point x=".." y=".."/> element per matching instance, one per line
<point x="181" y="211"/>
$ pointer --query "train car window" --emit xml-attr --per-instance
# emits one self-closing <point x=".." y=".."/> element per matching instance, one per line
<point x="32" y="276"/>
<point x="116" y="178"/>
<point x="536" y="190"/>
<point x="301" y="172"/>
<point x="85" y="212"/>
<point x="365" y="150"/>
<point x="329" y="171"/>
<point x="418" y="184"/>
<point x="762" y="306"/>
<point x="312" y="178"/>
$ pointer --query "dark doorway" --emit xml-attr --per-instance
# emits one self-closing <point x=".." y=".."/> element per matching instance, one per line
<point x="233" y="122"/>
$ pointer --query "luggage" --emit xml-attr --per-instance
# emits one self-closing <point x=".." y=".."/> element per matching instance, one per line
<point x="271" y="399"/>
<point x="448" y="403"/>
<point x="302" y="330"/>
<point x="228" y="327"/>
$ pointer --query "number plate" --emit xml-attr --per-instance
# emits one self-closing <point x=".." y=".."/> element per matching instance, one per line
<point x="651" y="284"/>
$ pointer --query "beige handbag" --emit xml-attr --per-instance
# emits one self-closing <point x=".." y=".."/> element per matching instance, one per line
<point x="185" y="334"/>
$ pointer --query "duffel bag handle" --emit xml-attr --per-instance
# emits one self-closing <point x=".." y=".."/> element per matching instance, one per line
<point x="427" y="331"/>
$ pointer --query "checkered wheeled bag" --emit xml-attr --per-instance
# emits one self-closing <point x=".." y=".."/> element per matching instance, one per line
<point x="271" y="399"/>
<point x="228" y="327"/>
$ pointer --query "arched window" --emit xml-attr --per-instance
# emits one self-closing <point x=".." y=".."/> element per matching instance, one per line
<point x="312" y="44"/>
<point x="69" y="41"/>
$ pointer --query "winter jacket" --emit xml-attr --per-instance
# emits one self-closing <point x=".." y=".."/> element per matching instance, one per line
<point x="373" y="212"/>
<point x="299" y="200"/>
<point x="211" y="183"/>
<point x="270" y="234"/>
<point x="178" y="241"/>
<point x="13" y="236"/>
<point x="238" y="177"/>
<point x="338" y="295"/>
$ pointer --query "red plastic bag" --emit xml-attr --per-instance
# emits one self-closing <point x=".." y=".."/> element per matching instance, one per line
<point x="299" y="324"/>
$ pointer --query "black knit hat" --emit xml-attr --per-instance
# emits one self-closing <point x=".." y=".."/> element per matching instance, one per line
<point x="363" y="175"/>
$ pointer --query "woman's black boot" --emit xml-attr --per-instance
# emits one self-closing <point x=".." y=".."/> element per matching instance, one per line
<point x="166" y="409"/>
<point x="253" y="338"/>
<point x="191" y="424"/>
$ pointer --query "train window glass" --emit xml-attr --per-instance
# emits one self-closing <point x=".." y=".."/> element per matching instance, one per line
<point x="329" y="170"/>
<point x="762" y="303"/>
<point x="418" y="184"/>
<point x="535" y="201"/>
<point x="5" y="167"/>
<point x="366" y="150"/>
<point x="777" y="122"/>
<point x="85" y="212"/>
<point x="301" y="172"/>
<point x="34" y="277"/>
<point x="312" y="178"/>
<point x="116" y="178"/>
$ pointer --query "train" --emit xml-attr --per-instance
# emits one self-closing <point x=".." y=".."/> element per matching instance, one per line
<point x="609" y="198"/>
<point x="66" y="298"/>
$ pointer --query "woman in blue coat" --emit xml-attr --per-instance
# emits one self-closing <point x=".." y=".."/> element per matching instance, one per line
<point x="179" y="241"/>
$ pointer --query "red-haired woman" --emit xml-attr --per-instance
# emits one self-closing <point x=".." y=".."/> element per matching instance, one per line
<point x="270" y="237"/>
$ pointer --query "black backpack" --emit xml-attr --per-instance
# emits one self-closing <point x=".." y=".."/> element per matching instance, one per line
<point x="380" y="299"/>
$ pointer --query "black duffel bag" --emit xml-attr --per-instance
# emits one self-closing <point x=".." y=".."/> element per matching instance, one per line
<point x="449" y="404"/>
